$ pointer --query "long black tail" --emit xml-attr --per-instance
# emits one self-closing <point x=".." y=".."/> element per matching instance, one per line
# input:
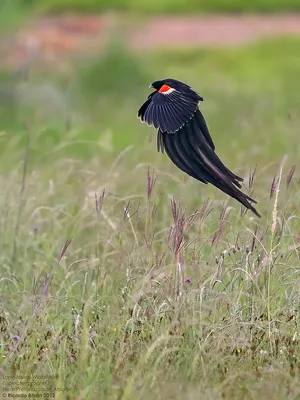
<point x="191" y="152"/>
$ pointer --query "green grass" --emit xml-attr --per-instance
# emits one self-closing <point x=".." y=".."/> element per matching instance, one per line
<point x="167" y="6"/>
<point x="13" y="13"/>
<point x="110" y="314"/>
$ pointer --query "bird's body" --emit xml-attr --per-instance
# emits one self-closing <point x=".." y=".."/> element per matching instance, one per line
<point x="184" y="136"/>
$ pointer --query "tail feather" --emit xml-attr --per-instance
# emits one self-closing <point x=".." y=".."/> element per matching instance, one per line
<point x="199" y="140"/>
<point x="190" y="152"/>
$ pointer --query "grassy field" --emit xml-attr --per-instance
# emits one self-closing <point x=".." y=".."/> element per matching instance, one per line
<point x="165" y="6"/>
<point x="121" y="278"/>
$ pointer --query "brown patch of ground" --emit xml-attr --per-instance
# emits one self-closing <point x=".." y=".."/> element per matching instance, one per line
<point x="213" y="30"/>
<point x="54" y="38"/>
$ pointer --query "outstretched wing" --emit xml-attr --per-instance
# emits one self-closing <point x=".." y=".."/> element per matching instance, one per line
<point x="169" y="110"/>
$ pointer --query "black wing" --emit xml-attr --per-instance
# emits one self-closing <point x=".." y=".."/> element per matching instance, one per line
<point x="192" y="150"/>
<point x="169" y="112"/>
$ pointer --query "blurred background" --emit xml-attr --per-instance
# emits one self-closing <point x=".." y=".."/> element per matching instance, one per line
<point x="74" y="176"/>
<point x="76" y="71"/>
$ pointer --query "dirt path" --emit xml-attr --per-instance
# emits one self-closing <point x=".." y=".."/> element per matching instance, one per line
<point x="213" y="30"/>
<point x="53" y="38"/>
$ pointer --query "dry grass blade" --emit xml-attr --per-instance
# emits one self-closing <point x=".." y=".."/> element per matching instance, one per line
<point x="21" y="204"/>
<point x="277" y="190"/>
<point x="290" y="176"/>
<point x="251" y="177"/>
<point x="99" y="202"/>
<point x="274" y="185"/>
<point x="151" y="181"/>
<point x="48" y="280"/>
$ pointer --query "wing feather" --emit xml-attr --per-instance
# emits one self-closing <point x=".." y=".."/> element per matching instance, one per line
<point x="178" y="157"/>
<point x="179" y="108"/>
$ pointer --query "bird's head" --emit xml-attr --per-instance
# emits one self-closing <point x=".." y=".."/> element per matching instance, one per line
<point x="157" y="84"/>
<point x="169" y="85"/>
<point x="164" y="86"/>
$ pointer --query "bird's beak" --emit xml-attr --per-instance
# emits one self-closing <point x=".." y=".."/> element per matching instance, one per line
<point x="151" y="86"/>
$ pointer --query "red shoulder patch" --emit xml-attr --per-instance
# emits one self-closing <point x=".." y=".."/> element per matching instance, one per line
<point x="164" y="88"/>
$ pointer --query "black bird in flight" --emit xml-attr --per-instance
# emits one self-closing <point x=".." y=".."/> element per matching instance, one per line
<point x="183" y="134"/>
